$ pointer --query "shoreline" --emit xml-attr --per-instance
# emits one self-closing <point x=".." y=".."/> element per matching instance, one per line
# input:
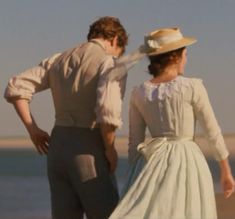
<point x="121" y="144"/>
<point x="15" y="142"/>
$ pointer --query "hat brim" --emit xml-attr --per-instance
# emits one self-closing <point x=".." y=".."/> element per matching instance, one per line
<point x="186" y="41"/>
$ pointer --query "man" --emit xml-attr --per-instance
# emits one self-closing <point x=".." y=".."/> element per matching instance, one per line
<point x="81" y="153"/>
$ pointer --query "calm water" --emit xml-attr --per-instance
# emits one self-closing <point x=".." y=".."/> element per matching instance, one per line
<point x="24" y="191"/>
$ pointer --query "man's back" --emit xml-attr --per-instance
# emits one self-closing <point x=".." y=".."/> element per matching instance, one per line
<point x="73" y="81"/>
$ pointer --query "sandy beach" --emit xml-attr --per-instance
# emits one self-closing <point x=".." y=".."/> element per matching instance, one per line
<point x="226" y="207"/>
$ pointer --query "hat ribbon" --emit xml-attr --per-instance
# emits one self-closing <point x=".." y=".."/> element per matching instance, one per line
<point x="157" y="43"/>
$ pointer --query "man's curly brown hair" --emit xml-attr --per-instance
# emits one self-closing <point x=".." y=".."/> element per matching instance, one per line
<point x="107" y="28"/>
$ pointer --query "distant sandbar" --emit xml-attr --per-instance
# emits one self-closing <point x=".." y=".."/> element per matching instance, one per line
<point x="121" y="144"/>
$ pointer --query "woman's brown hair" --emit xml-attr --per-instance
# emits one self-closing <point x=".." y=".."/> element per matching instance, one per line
<point x="158" y="63"/>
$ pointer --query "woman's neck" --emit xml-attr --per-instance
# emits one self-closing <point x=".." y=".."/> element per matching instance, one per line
<point x="168" y="75"/>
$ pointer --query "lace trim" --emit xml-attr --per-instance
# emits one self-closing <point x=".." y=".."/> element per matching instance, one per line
<point x="165" y="89"/>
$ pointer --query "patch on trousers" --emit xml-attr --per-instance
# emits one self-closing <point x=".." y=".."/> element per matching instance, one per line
<point x="86" y="167"/>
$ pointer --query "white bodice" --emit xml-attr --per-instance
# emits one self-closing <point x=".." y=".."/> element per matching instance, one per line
<point x="171" y="109"/>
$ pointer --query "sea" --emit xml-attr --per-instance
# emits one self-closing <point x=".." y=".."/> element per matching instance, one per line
<point x="24" y="189"/>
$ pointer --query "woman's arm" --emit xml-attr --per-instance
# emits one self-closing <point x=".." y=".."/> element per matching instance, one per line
<point x="227" y="180"/>
<point x="137" y="127"/>
<point x="205" y="115"/>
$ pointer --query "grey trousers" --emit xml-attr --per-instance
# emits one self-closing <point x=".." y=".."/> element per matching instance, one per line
<point x="78" y="175"/>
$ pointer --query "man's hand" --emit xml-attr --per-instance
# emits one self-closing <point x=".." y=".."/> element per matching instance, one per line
<point x="112" y="157"/>
<point x="40" y="139"/>
<point x="108" y="134"/>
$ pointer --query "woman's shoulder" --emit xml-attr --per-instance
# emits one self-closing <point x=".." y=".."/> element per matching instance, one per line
<point x="138" y="93"/>
<point x="190" y="82"/>
<point x="195" y="83"/>
<point x="192" y="79"/>
<point x="169" y="88"/>
<point x="137" y="90"/>
<point x="179" y="80"/>
<point x="151" y="91"/>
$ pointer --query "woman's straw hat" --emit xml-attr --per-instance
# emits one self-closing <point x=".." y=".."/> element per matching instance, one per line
<point x="165" y="40"/>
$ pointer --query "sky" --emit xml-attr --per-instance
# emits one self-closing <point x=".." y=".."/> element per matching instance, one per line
<point x="32" y="30"/>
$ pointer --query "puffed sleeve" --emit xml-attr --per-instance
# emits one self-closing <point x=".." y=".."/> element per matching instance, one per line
<point x="29" y="82"/>
<point x="137" y="127"/>
<point x="205" y="114"/>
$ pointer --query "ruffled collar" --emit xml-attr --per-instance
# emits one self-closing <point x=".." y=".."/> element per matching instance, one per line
<point x="165" y="89"/>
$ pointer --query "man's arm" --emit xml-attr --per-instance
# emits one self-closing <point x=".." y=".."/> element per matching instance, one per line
<point x="20" y="91"/>
<point x="110" y="92"/>
<point x="108" y="134"/>
<point x="108" y="111"/>
<point x="39" y="137"/>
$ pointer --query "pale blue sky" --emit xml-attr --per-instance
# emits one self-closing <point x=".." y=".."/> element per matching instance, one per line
<point x="32" y="30"/>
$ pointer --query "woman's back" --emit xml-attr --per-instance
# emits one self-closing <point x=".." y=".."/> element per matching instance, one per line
<point x="170" y="109"/>
<point x="167" y="107"/>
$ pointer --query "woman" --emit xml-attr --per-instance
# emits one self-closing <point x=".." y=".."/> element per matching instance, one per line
<point x="169" y="177"/>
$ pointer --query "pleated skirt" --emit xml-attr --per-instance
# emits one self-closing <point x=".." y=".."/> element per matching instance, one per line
<point x="174" y="183"/>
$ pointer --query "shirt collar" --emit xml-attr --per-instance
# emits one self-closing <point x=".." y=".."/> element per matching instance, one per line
<point x="99" y="42"/>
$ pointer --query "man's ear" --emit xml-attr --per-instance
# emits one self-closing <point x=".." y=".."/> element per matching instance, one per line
<point x="114" y="41"/>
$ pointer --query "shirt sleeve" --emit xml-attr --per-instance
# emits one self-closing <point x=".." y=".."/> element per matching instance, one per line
<point x="206" y="117"/>
<point x="110" y="94"/>
<point x="29" y="82"/>
<point x="137" y="127"/>
<point x="111" y="87"/>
